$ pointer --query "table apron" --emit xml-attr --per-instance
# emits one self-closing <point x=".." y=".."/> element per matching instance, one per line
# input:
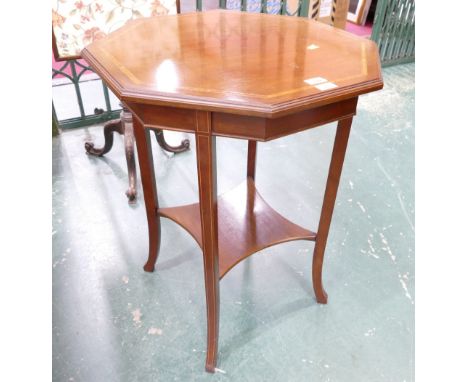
<point x="242" y="126"/>
<point x="265" y="129"/>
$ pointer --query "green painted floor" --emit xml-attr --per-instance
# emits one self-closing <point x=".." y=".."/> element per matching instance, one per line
<point x="114" y="322"/>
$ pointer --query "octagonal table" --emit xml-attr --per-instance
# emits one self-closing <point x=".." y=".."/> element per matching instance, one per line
<point x="249" y="76"/>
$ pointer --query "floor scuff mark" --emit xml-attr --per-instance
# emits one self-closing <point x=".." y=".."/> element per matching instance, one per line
<point x="400" y="200"/>
<point x="154" y="331"/>
<point x="372" y="251"/>
<point x="137" y="317"/>
<point x="370" y="332"/>
<point x="402" y="279"/>
<point x="361" y="206"/>
<point x="386" y="247"/>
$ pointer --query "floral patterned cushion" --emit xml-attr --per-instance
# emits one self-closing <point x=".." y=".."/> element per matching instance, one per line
<point x="77" y="23"/>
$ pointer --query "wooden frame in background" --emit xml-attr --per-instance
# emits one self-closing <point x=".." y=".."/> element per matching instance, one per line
<point x="358" y="10"/>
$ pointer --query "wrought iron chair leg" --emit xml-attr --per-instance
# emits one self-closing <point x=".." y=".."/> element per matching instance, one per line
<point x="109" y="128"/>
<point x="184" y="145"/>
<point x="124" y="126"/>
<point x="129" y="140"/>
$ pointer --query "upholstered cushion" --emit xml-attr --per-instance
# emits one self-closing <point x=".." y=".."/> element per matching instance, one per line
<point x="76" y="23"/>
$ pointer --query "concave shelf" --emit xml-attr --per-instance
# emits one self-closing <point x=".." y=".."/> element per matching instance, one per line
<point x="246" y="224"/>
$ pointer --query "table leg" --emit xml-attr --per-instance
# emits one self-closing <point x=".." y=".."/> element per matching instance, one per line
<point x="334" y="173"/>
<point x="148" y="179"/>
<point x="251" y="159"/>
<point x="206" y="163"/>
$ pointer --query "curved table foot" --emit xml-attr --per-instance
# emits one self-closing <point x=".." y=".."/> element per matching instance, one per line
<point x="320" y="295"/>
<point x="210" y="368"/>
<point x="110" y="127"/>
<point x="154" y="230"/>
<point x="184" y="145"/>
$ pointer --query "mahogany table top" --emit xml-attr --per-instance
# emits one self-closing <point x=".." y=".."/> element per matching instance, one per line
<point x="235" y="62"/>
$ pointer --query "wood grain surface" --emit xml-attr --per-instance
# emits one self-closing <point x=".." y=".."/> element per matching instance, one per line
<point x="246" y="224"/>
<point x="236" y="62"/>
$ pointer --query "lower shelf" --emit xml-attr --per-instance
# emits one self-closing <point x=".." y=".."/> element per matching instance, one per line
<point x="246" y="224"/>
